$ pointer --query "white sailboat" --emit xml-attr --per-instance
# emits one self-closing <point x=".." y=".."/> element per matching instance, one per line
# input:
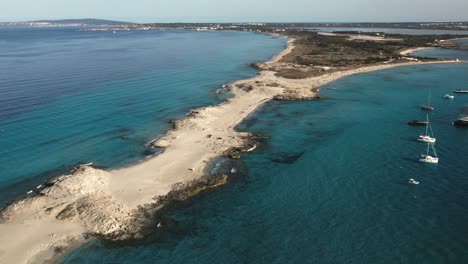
<point x="426" y="137"/>
<point x="429" y="158"/>
<point x="428" y="106"/>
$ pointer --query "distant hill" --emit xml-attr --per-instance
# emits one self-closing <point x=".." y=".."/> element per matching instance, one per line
<point x="87" y="21"/>
<point x="65" y="22"/>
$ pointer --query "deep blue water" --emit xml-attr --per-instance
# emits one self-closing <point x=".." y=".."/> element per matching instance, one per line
<point x="70" y="96"/>
<point x="403" y="31"/>
<point x="331" y="185"/>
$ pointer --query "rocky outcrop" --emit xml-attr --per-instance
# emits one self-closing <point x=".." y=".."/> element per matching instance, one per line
<point x="82" y="197"/>
<point x="298" y="95"/>
<point x="249" y="143"/>
<point x="148" y="218"/>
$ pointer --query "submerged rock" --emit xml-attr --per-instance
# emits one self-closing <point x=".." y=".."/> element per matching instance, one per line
<point x="250" y="142"/>
<point x="288" y="158"/>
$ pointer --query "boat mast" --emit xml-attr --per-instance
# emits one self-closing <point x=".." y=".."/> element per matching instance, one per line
<point x="433" y="150"/>
<point x="429" y="98"/>
<point x="430" y="130"/>
<point x="427" y="125"/>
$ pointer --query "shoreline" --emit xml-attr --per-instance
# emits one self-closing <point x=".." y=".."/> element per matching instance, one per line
<point x="409" y="51"/>
<point x="90" y="202"/>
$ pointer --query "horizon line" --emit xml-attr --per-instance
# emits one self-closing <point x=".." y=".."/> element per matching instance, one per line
<point x="246" y="21"/>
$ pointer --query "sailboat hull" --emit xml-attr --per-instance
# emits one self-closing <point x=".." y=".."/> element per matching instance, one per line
<point x="427" y="107"/>
<point x="461" y="91"/>
<point x="426" y="139"/>
<point x="461" y="123"/>
<point x="417" y="123"/>
<point x="429" y="159"/>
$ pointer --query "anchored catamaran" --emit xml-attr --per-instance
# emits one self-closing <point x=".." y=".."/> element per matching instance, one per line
<point x="426" y="137"/>
<point x="428" y="158"/>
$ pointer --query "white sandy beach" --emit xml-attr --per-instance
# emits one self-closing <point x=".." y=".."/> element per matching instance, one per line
<point x="99" y="202"/>
<point x="409" y="51"/>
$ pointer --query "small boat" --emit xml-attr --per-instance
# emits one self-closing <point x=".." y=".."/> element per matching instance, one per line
<point x="460" y="91"/>
<point x="462" y="121"/>
<point x="233" y="170"/>
<point x="426" y="136"/>
<point x="448" y="96"/>
<point x="428" y="106"/>
<point x="114" y="32"/>
<point x="417" y="123"/>
<point x="413" y="181"/>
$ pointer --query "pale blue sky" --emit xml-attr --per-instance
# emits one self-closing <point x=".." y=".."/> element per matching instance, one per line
<point x="237" y="10"/>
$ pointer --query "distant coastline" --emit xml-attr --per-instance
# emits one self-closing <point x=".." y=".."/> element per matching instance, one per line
<point x="88" y="22"/>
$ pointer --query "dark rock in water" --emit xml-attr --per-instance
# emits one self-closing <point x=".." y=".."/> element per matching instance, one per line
<point x="173" y="124"/>
<point x="255" y="136"/>
<point x="288" y="158"/>
<point x="235" y="152"/>
<point x="256" y="66"/>
<point x="249" y="122"/>
<point x="250" y="143"/>
<point x="193" y="113"/>
<point x="149" y="152"/>
<point x="183" y="191"/>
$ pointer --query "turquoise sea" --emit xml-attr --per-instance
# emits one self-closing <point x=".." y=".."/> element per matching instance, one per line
<point x="70" y="96"/>
<point x="330" y="186"/>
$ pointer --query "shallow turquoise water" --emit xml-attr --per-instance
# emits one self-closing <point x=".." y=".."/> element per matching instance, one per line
<point x="331" y="185"/>
<point x="69" y="96"/>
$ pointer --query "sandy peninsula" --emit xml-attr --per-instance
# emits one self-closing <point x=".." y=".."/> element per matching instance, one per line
<point x="409" y="51"/>
<point x="123" y="204"/>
